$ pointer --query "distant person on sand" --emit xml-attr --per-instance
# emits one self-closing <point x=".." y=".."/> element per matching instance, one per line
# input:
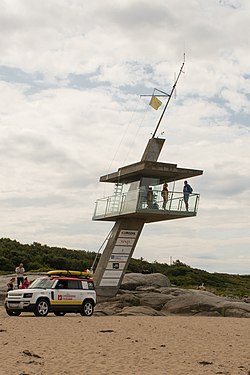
<point x="187" y="190"/>
<point x="19" y="274"/>
<point x="164" y="194"/>
<point x="201" y="287"/>
<point x="10" y="285"/>
<point x="25" y="283"/>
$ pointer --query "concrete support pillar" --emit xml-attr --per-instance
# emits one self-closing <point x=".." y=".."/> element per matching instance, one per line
<point x="116" y="256"/>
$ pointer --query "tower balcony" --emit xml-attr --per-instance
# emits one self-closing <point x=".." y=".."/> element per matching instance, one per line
<point x="133" y="204"/>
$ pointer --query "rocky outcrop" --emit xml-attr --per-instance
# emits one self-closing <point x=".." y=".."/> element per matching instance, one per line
<point x="194" y="302"/>
<point x="181" y="302"/>
<point x="153" y="295"/>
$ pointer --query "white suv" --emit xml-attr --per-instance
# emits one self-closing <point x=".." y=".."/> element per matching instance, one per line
<point x="59" y="294"/>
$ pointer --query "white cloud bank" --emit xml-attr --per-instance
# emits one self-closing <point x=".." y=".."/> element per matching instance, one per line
<point x="71" y="73"/>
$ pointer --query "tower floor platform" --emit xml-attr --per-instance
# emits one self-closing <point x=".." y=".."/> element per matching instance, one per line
<point x="135" y="206"/>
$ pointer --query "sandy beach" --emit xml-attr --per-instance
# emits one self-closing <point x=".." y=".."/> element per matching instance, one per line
<point x="172" y="345"/>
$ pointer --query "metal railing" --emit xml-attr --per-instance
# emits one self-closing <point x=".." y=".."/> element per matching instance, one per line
<point x="136" y="201"/>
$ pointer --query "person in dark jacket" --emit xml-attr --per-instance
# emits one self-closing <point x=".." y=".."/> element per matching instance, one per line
<point x="187" y="190"/>
<point x="19" y="274"/>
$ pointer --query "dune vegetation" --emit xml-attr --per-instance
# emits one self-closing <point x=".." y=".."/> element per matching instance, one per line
<point x="38" y="257"/>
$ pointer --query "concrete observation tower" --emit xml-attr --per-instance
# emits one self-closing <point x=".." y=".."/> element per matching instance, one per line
<point x="130" y="209"/>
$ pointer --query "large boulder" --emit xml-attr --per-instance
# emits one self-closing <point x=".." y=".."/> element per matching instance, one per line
<point x="132" y="281"/>
<point x="154" y="300"/>
<point x="108" y="308"/>
<point x="195" y="302"/>
<point x="114" y="305"/>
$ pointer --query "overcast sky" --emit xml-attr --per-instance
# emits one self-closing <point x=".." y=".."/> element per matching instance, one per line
<point x="71" y="75"/>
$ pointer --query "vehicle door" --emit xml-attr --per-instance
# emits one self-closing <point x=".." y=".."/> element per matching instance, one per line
<point x="59" y="293"/>
<point x="68" y="293"/>
<point x="75" y="292"/>
<point x="89" y="290"/>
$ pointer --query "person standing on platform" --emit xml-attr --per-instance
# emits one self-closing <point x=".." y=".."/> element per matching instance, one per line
<point x="19" y="274"/>
<point x="164" y="194"/>
<point x="187" y="190"/>
<point x="150" y="197"/>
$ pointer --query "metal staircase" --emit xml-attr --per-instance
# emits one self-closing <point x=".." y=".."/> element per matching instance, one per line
<point x="115" y="207"/>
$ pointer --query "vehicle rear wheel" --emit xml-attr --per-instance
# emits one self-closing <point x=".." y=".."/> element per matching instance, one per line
<point x="42" y="307"/>
<point x="13" y="313"/>
<point x="87" y="308"/>
<point x="59" y="313"/>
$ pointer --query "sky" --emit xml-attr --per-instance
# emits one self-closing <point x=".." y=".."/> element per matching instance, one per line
<point x="71" y="76"/>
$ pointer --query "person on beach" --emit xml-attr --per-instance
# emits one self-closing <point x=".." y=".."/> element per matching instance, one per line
<point x="10" y="285"/>
<point x="164" y="194"/>
<point x="201" y="287"/>
<point x="19" y="274"/>
<point x="187" y="190"/>
<point x="25" y="283"/>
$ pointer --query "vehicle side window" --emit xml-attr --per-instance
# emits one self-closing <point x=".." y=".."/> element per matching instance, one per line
<point x="84" y="284"/>
<point x="91" y="285"/>
<point x="62" y="284"/>
<point x="74" y="284"/>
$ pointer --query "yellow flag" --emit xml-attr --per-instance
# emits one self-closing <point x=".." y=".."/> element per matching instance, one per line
<point x="155" y="102"/>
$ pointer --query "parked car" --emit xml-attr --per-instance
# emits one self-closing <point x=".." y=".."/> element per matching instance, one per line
<point x="59" y="292"/>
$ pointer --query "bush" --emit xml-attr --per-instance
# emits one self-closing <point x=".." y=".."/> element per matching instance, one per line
<point x="6" y="264"/>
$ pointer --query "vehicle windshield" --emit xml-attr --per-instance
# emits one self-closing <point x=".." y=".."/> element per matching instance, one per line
<point x="42" y="284"/>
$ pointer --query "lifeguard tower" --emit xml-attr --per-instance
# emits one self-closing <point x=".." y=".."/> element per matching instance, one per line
<point x="130" y="209"/>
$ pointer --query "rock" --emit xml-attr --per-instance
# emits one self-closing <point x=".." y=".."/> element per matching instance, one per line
<point x="108" y="308"/>
<point x="175" y="291"/>
<point x="115" y="305"/>
<point x="193" y="302"/>
<point x="208" y="313"/>
<point x="237" y="313"/>
<point x="205" y="303"/>
<point x="154" y="300"/>
<point x="132" y="281"/>
<point x="140" y="310"/>
<point x="147" y="289"/>
<point x="236" y="309"/>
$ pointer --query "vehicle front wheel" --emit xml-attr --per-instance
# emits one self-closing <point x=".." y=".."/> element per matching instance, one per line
<point x="87" y="308"/>
<point x="13" y="313"/>
<point x="59" y="313"/>
<point x="42" y="307"/>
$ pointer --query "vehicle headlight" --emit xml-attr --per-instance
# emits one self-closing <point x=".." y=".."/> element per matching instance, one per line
<point x="27" y="295"/>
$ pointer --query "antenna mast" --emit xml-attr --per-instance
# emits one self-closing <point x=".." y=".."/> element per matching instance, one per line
<point x="169" y="97"/>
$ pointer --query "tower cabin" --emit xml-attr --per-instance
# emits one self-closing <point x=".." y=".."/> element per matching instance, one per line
<point x="130" y="208"/>
<point x="131" y="186"/>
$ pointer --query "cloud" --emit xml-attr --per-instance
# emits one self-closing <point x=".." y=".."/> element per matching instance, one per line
<point x="71" y="76"/>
